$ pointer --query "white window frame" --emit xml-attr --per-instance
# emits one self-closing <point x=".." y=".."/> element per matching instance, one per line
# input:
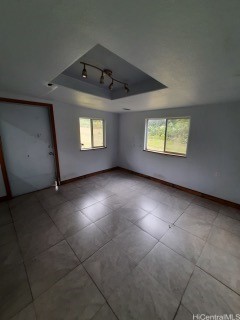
<point x="91" y="123"/>
<point x="166" y="152"/>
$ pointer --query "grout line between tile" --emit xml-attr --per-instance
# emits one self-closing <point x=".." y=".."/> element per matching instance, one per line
<point x="180" y="302"/>
<point x="106" y="300"/>
<point x="24" y="264"/>
<point x="182" y="254"/>
<point x="218" y="280"/>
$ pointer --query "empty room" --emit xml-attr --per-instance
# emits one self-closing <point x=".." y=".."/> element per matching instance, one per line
<point x="120" y="160"/>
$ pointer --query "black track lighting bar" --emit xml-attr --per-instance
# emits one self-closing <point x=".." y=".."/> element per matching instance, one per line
<point x="107" y="73"/>
<point x="111" y="85"/>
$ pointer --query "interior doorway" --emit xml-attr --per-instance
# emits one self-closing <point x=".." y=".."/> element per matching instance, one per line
<point x="29" y="145"/>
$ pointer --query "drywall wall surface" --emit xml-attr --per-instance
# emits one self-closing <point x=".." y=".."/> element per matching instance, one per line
<point x="73" y="161"/>
<point x="212" y="165"/>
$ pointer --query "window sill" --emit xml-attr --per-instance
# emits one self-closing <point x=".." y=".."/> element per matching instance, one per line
<point x="167" y="153"/>
<point x="93" y="149"/>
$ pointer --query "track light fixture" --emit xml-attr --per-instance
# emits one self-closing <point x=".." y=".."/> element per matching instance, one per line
<point x="84" y="72"/>
<point x="102" y="79"/>
<point x="126" y="88"/>
<point x="111" y="85"/>
<point x="104" y="72"/>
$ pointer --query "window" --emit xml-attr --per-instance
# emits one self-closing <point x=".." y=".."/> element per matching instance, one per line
<point x="167" y="135"/>
<point x="92" y="133"/>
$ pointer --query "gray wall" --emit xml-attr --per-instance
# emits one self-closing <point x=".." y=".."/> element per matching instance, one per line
<point x="212" y="164"/>
<point x="73" y="162"/>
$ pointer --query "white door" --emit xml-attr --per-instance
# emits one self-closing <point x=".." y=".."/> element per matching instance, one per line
<point x="27" y="147"/>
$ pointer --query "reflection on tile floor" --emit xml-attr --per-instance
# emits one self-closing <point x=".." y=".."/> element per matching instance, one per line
<point x="117" y="246"/>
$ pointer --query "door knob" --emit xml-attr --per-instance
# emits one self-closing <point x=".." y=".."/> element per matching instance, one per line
<point x="51" y="154"/>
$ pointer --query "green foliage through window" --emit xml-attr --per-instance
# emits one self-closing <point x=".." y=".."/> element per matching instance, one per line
<point x="167" y="135"/>
<point x="91" y="133"/>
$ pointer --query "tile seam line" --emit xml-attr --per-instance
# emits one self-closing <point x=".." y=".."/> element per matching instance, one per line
<point x="214" y="277"/>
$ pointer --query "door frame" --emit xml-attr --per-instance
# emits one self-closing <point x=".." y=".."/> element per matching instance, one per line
<point x="49" y="106"/>
<point x="4" y="175"/>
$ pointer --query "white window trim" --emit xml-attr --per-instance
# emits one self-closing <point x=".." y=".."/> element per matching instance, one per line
<point x="166" y="152"/>
<point x="104" y="134"/>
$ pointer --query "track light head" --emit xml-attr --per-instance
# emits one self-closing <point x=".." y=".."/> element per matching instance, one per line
<point x="84" y="72"/>
<point x="126" y="88"/>
<point x="102" y="79"/>
<point x="111" y="85"/>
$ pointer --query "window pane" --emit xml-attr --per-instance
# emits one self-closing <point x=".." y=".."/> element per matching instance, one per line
<point x="98" y="133"/>
<point x="85" y="133"/>
<point x="177" y="135"/>
<point x="156" y="134"/>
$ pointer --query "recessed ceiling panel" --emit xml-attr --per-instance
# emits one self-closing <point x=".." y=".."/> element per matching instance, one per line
<point x="137" y="81"/>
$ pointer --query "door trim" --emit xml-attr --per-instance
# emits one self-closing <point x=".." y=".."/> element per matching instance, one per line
<point x="4" y="173"/>
<point x="49" y="106"/>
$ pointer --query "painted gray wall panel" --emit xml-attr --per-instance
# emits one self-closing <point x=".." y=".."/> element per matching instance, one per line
<point x="73" y="162"/>
<point x="212" y="164"/>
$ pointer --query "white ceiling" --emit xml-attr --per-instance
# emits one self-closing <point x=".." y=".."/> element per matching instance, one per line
<point x="193" y="47"/>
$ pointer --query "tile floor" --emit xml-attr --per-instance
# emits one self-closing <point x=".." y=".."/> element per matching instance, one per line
<point x="117" y="246"/>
